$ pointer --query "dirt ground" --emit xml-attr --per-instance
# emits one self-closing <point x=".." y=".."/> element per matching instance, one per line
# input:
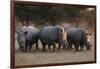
<point x="64" y="56"/>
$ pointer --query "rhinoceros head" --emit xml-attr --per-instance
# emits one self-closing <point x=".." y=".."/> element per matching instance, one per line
<point x="22" y="40"/>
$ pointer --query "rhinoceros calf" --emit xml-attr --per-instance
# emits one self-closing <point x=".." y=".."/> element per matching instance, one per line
<point x="27" y="36"/>
<point x="50" y="35"/>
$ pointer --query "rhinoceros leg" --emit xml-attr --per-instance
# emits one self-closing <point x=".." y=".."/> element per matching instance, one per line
<point x="76" y="46"/>
<point x="81" y="46"/>
<point x="37" y="45"/>
<point x="26" y="46"/>
<point x="30" y="46"/>
<point x="49" y="47"/>
<point x="43" y="45"/>
<point x="59" y="47"/>
<point x="69" y="45"/>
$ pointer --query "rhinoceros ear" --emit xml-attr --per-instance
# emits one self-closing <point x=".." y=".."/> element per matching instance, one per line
<point x="25" y="32"/>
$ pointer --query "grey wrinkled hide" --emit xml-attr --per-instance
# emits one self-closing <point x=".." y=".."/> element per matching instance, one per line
<point x="78" y="37"/>
<point x="27" y="36"/>
<point x="50" y="35"/>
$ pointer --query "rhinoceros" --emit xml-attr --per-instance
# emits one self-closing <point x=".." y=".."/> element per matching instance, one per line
<point x="50" y="35"/>
<point x="26" y="37"/>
